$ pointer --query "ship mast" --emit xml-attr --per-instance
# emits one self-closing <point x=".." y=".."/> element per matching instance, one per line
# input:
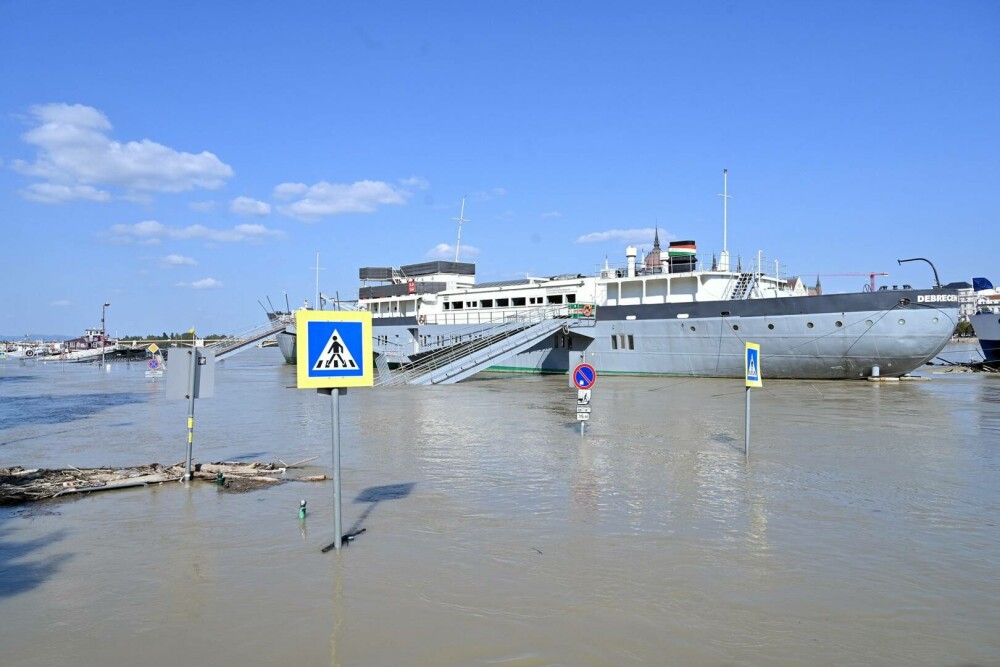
<point x="316" y="303"/>
<point x="460" y="219"/>
<point x="724" y="257"/>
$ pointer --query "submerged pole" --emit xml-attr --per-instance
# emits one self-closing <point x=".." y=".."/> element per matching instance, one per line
<point x="335" y="412"/>
<point x="191" y="385"/>
<point x="746" y="429"/>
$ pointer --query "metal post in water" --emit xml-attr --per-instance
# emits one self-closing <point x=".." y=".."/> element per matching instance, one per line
<point x="191" y="386"/>
<point x="335" y="409"/>
<point x="746" y="429"/>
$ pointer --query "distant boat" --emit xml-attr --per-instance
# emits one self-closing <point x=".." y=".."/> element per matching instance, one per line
<point x="84" y="348"/>
<point x="986" y="321"/>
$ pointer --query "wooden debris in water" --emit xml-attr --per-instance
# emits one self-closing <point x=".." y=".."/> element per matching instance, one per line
<point x="22" y="485"/>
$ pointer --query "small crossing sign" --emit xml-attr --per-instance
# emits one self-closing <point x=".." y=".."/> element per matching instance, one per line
<point x="752" y="365"/>
<point x="584" y="376"/>
<point x="334" y="349"/>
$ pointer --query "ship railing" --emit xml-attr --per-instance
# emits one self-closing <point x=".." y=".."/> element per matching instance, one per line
<point x="237" y="341"/>
<point x="673" y="266"/>
<point x="474" y="321"/>
<point x="465" y="343"/>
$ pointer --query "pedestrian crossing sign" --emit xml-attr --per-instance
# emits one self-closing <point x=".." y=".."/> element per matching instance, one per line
<point x="333" y="349"/>
<point x="752" y="365"/>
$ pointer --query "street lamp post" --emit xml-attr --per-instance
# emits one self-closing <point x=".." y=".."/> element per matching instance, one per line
<point x="104" y="309"/>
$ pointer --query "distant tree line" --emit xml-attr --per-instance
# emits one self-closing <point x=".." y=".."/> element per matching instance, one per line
<point x="173" y="336"/>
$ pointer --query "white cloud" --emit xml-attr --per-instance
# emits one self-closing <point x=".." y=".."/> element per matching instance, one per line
<point x="74" y="150"/>
<point x="287" y="191"/>
<point x="54" y="193"/>
<point x="644" y="235"/>
<point x="202" y="206"/>
<point x="148" y="230"/>
<point x="551" y="214"/>
<point x="415" y="183"/>
<point x="447" y="252"/>
<point x="248" y="206"/>
<point x="177" y="260"/>
<point x="325" y="199"/>
<point x="59" y="303"/>
<point x="204" y="283"/>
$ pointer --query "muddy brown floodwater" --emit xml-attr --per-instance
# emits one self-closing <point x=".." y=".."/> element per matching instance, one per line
<point x="862" y="531"/>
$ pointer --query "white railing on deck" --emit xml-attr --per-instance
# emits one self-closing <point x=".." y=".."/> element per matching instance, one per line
<point x="464" y="343"/>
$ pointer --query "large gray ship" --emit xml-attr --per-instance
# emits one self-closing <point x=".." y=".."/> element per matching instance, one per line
<point x="661" y="315"/>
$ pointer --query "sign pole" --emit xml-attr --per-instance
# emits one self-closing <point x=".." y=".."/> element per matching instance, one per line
<point x="191" y="385"/>
<point x="746" y="429"/>
<point x="335" y="408"/>
<point x="751" y="367"/>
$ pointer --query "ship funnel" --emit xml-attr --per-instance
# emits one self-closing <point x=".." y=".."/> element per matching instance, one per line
<point x="630" y="255"/>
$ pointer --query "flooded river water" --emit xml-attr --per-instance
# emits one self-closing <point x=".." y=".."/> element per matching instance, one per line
<point x="862" y="530"/>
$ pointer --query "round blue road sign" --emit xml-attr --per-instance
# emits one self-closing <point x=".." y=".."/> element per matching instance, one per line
<point x="584" y="376"/>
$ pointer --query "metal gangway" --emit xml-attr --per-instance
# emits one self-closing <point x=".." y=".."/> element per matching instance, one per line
<point x="480" y="349"/>
<point x="238" y="342"/>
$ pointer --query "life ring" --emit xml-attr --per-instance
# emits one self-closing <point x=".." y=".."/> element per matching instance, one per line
<point x="587" y="312"/>
<point x="29" y="353"/>
<point x="422" y="319"/>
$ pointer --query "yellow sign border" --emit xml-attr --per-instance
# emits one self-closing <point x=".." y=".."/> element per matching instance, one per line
<point x="759" y="382"/>
<point x="302" y="318"/>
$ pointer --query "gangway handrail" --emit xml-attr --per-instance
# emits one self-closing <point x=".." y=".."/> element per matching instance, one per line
<point x="480" y="339"/>
<point x="238" y="341"/>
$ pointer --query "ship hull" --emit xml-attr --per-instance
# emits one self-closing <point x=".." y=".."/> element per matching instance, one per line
<point x="987" y="328"/>
<point x="286" y="343"/>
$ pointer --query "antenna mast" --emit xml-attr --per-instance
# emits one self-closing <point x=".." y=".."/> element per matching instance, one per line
<point x="318" y="269"/>
<point x="460" y="219"/>
<point x="724" y="257"/>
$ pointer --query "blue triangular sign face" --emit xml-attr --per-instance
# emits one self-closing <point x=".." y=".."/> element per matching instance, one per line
<point x="335" y="355"/>
<point x="335" y="349"/>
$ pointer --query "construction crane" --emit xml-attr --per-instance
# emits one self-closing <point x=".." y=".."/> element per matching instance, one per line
<point x="871" y="276"/>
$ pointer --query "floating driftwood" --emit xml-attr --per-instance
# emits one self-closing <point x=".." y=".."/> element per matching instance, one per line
<point x="19" y="485"/>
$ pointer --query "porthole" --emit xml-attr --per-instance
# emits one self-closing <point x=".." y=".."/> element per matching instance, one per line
<point x="736" y="327"/>
<point x="902" y="321"/>
<point x="935" y="320"/>
<point x="868" y="323"/>
<point x="838" y="324"/>
<point x="809" y="325"/>
<point x="770" y="326"/>
<point x="692" y="328"/>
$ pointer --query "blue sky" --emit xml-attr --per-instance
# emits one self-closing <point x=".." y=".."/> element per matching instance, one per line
<point x="184" y="160"/>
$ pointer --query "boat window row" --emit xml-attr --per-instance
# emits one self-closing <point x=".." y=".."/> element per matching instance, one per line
<point x="512" y="302"/>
